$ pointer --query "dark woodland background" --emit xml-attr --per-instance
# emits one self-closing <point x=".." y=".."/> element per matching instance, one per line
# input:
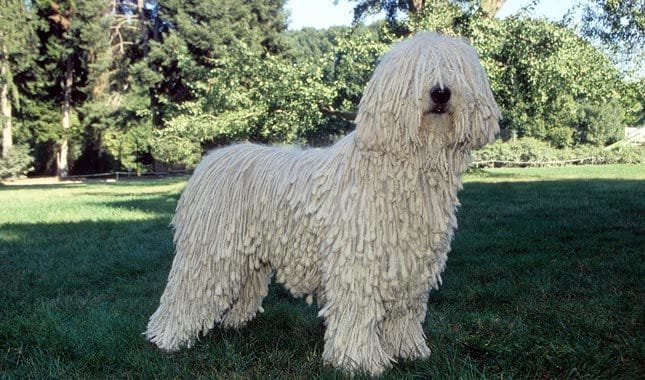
<point x="141" y="85"/>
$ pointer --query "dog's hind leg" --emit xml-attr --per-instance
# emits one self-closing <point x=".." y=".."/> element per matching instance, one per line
<point x="253" y="289"/>
<point x="197" y="296"/>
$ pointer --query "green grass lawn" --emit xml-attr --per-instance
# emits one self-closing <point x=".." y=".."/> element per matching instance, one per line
<point x="545" y="279"/>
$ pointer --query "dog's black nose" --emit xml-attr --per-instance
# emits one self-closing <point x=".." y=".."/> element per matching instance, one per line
<point x="440" y="95"/>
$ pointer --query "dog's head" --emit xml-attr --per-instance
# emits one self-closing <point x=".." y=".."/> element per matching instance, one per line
<point x="428" y="91"/>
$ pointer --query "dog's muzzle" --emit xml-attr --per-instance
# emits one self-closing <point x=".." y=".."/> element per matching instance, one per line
<point x="440" y="97"/>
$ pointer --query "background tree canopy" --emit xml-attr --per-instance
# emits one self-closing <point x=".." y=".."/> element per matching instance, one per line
<point x="101" y="85"/>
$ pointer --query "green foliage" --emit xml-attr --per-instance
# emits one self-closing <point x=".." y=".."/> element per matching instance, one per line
<point x="17" y="52"/>
<point x="619" y="28"/>
<point x="245" y="98"/>
<point x="17" y="46"/>
<point x="599" y="125"/>
<point x="275" y="99"/>
<point x="133" y="67"/>
<point x="542" y="74"/>
<point x="199" y="33"/>
<point x="440" y="16"/>
<point x="193" y="44"/>
<point x="75" y="31"/>
<point x="69" y="73"/>
<point x="522" y="150"/>
<point x="354" y="57"/>
<point x="536" y="151"/>
<point x="18" y="163"/>
<point x="560" y="137"/>
<point x="167" y="80"/>
<point x="634" y="97"/>
<point x="312" y="43"/>
<point x="118" y="126"/>
<point x="209" y="27"/>
<point x="546" y="78"/>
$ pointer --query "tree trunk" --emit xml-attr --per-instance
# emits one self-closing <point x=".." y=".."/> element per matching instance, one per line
<point x="157" y="120"/>
<point x="61" y="161"/>
<point x="143" y="27"/>
<point x="489" y="8"/>
<point x="416" y="5"/>
<point x="5" y="105"/>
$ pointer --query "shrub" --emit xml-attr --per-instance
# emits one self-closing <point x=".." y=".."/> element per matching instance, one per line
<point x="624" y="155"/>
<point x="599" y="124"/>
<point x="18" y="162"/>
<point x="560" y="137"/>
<point x="529" y="150"/>
<point x="522" y="150"/>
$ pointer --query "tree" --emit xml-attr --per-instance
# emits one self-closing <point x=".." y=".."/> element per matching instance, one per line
<point x="115" y="116"/>
<point x="308" y="43"/>
<point x="120" y="83"/>
<point x="17" y="49"/>
<point x="618" y="27"/>
<point x="195" y="35"/>
<point x="635" y="102"/>
<point x="350" y="67"/>
<point x="246" y="97"/>
<point x="142" y="61"/>
<point x="620" y="24"/>
<point x="544" y="75"/>
<point x="74" y="54"/>
<point x="415" y="9"/>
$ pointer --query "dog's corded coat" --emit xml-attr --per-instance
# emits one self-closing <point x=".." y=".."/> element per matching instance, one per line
<point x="364" y="225"/>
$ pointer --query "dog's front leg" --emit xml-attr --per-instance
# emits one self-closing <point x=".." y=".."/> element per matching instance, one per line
<point x="351" y="338"/>
<point x="402" y="335"/>
<point x="352" y="316"/>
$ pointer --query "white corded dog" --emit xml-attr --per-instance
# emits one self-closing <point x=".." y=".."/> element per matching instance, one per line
<point x="364" y="225"/>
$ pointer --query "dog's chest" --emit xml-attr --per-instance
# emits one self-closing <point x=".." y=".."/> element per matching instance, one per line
<point x="390" y="213"/>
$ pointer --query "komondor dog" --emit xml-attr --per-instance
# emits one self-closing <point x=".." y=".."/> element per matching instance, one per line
<point x="364" y="225"/>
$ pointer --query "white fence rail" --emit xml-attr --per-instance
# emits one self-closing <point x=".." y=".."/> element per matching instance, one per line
<point x="499" y="163"/>
<point x="478" y="164"/>
<point x="118" y="175"/>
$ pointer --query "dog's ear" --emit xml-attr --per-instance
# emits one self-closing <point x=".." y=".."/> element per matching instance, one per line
<point x="389" y="114"/>
<point x="489" y="127"/>
<point x="477" y="115"/>
<point x="483" y="123"/>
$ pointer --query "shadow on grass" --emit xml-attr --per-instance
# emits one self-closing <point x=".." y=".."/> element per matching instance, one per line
<point x="544" y="280"/>
<point x="78" y="295"/>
